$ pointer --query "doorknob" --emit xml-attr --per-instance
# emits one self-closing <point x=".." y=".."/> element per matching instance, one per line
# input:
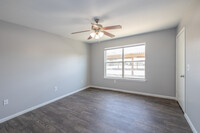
<point x="182" y="76"/>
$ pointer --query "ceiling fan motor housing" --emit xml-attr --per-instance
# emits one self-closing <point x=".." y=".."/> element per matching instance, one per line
<point x="97" y="27"/>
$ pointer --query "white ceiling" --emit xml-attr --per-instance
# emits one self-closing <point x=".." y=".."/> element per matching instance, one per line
<point x="65" y="16"/>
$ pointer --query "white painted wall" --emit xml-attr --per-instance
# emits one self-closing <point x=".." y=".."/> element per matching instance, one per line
<point x="191" y="22"/>
<point x="160" y="63"/>
<point x="32" y="62"/>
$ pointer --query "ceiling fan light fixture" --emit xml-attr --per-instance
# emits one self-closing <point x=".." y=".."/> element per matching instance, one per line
<point x="101" y="34"/>
<point x="93" y="34"/>
<point x="97" y="36"/>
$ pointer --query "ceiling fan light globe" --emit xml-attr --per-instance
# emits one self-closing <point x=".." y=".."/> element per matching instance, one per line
<point x="93" y="35"/>
<point x="101" y="34"/>
<point x="97" y="37"/>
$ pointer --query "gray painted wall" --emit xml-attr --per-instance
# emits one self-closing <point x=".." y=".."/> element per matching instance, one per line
<point x="192" y="24"/>
<point x="32" y="62"/>
<point x="160" y="63"/>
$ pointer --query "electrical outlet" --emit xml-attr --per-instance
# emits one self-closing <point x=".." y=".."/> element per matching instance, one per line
<point x="115" y="81"/>
<point x="5" y="102"/>
<point x="55" y="88"/>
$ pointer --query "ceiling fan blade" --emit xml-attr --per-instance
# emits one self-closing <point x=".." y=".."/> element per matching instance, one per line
<point x="80" y="31"/>
<point x="112" y="27"/>
<point x="108" y="34"/>
<point x="90" y="37"/>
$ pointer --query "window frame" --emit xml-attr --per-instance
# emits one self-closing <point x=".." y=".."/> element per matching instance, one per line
<point x="122" y="47"/>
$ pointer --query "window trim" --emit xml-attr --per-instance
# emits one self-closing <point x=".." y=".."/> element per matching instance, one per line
<point x="124" y="78"/>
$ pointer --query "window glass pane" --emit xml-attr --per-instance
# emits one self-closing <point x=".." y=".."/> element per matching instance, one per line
<point x="134" y="69"/>
<point x="114" y="55"/>
<point x="132" y="62"/>
<point x="134" y="53"/>
<point x="113" y="69"/>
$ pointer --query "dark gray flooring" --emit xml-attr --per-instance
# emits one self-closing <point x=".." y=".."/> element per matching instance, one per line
<point x="100" y="111"/>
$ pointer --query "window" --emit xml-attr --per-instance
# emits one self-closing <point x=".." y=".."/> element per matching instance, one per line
<point x="127" y="62"/>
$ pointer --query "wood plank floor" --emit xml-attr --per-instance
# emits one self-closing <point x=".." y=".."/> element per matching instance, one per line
<point x="101" y="111"/>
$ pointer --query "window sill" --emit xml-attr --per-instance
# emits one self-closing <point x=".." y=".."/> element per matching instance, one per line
<point x="129" y="79"/>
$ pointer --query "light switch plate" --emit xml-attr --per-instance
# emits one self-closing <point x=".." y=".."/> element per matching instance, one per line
<point x="55" y="88"/>
<point x="5" y="102"/>
<point x="188" y="67"/>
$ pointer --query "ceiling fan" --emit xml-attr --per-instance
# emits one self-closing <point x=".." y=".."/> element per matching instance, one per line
<point x="99" y="30"/>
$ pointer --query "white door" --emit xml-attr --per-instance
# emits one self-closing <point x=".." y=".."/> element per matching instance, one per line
<point x="180" y="68"/>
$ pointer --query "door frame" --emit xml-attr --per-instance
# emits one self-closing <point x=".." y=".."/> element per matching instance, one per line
<point x="183" y="30"/>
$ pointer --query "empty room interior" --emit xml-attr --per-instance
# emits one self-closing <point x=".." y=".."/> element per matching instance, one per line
<point x="99" y="66"/>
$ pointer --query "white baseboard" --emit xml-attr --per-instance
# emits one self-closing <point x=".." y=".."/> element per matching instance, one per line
<point x="135" y="92"/>
<point x="190" y="123"/>
<point x="40" y="105"/>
